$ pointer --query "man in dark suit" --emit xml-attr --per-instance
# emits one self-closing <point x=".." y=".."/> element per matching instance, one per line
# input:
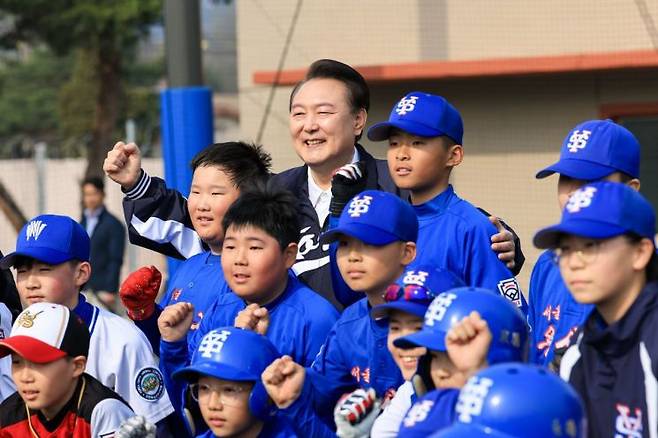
<point x="107" y="236"/>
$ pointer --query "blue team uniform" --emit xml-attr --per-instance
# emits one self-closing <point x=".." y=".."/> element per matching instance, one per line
<point x="198" y="280"/>
<point x="300" y="320"/>
<point x="553" y="315"/>
<point x="432" y="412"/>
<point x="275" y="428"/>
<point x="455" y="235"/>
<point x="354" y="355"/>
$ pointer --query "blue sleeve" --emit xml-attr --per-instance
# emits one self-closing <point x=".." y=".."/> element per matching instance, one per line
<point x="431" y="413"/>
<point x="317" y="331"/>
<point x="329" y="375"/>
<point x="173" y="356"/>
<point x="537" y="283"/>
<point x="304" y="421"/>
<point x="344" y="295"/>
<point x="149" y="327"/>
<point x="481" y="267"/>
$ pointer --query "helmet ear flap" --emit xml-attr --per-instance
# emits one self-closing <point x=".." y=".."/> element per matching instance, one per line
<point x="260" y="404"/>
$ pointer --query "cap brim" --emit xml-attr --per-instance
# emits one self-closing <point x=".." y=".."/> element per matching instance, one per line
<point x="435" y="341"/>
<point x="45" y="255"/>
<point x="577" y="169"/>
<point x="30" y="348"/>
<point x="461" y="430"/>
<point x="382" y="131"/>
<point x="213" y="369"/>
<point x="549" y="237"/>
<point x="363" y="232"/>
<point x="384" y="310"/>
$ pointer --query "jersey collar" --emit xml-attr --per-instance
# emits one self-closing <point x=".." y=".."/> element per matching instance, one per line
<point x="436" y="205"/>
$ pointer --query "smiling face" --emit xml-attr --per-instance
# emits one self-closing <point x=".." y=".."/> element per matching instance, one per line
<point x="224" y="405"/>
<point x="369" y="268"/>
<point x="323" y="125"/>
<point x="421" y="164"/>
<point x="254" y="265"/>
<point x="60" y="284"/>
<point x="46" y="387"/>
<point x="403" y="324"/>
<point x="211" y="194"/>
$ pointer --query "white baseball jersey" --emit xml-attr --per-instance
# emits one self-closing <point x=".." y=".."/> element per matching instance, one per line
<point x="120" y="357"/>
<point x="7" y="386"/>
<point x="388" y="423"/>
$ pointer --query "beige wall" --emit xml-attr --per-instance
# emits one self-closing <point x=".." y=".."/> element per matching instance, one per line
<point x="62" y="181"/>
<point x="514" y="126"/>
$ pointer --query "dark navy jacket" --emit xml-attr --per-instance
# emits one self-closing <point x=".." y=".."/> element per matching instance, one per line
<point x="553" y="315"/>
<point x="614" y="368"/>
<point x="108" y="240"/>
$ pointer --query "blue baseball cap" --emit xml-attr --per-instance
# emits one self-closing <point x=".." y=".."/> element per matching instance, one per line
<point x="376" y="218"/>
<point x="50" y="239"/>
<point x="422" y="114"/>
<point x="595" y="149"/>
<point x="601" y="210"/>
<point x="432" y="279"/>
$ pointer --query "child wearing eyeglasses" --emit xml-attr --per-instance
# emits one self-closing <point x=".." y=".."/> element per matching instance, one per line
<point x="607" y="258"/>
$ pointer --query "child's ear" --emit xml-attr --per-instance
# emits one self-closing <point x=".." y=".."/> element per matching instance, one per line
<point x="79" y="365"/>
<point x="360" y="121"/>
<point x="408" y="253"/>
<point x="455" y="155"/>
<point x="290" y="255"/>
<point x="643" y="253"/>
<point x="82" y="273"/>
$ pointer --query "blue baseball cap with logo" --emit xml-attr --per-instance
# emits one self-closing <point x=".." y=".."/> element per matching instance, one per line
<point x="414" y="291"/>
<point x="421" y="114"/>
<point x="51" y="239"/>
<point x="601" y="210"/>
<point x="376" y="218"/>
<point x="595" y="149"/>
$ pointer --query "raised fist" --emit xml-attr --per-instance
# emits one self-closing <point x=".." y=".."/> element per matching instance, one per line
<point x="138" y="292"/>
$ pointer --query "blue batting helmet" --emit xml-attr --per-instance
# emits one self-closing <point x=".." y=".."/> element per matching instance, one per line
<point x="508" y="327"/>
<point x="230" y="353"/>
<point x="497" y="403"/>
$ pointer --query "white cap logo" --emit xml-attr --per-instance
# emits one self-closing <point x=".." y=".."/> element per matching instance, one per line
<point x="34" y="230"/>
<point x="578" y="140"/>
<point x="359" y="206"/>
<point x="213" y="342"/>
<point x="415" y="277"/>
<point x="437" y="309"/>
<point x="471" y="398"/>
<point x="406" y="105"/>
<point x="582" y="198"/>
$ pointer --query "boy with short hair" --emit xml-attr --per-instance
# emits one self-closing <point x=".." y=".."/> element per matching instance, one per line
<point x="261" y="293"/>
<point x="224" y="380"/>
<point x="52" y="265"/>
<point x="424" y="133"/>
<point x="593" y="150"/>
<point x="376" y="236"/>
<point x="221" y="172"/>
<point x="464" y="331"/>
<point x="607" y="258"/>
<point x="49" y="345"/>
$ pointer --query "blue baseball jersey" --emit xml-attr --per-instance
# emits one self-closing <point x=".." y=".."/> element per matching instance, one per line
<point x="433" y="412"/>
<point x="300" y="320"/>
<point x="455" y="235"/>
<point x="553" y="315"/>
<point x="198" y="280"/>
<point x="354" y="355"/>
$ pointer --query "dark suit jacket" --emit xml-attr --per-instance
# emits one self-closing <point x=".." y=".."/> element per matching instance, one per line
<point x="107" y="245"/>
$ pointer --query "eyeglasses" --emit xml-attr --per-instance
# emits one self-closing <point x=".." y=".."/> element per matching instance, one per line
<point x="410" y="292"/>
<point x="229" y="394"/>
<point x="586" y="254"/>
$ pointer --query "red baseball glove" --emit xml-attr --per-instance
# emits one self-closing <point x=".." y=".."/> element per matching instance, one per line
<point x="138" y="292"/>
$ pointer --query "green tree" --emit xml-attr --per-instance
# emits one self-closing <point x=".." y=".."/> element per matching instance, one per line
<point x="102" y="36"/>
